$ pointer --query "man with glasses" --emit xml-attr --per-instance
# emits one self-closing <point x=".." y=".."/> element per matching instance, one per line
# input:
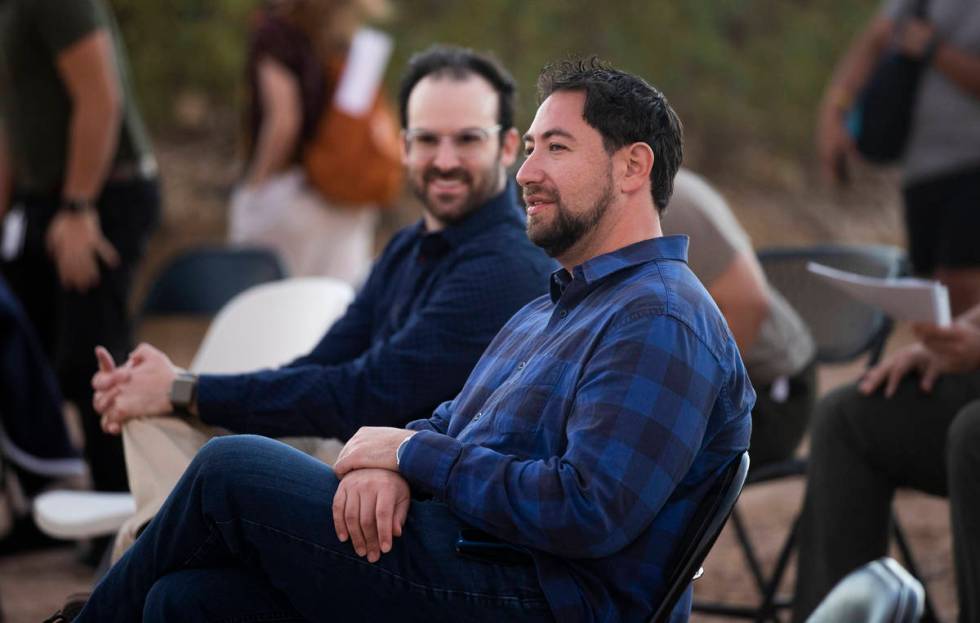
<point x="439" y="292"/>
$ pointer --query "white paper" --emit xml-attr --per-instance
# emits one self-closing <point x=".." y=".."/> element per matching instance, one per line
<point x="14" y="227"/>
<point x="365" y="67"/>
<point x="902" y="298"/>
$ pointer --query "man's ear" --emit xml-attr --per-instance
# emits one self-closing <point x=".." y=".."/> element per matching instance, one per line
<point x="638" y="160"/>
<point x="509" y="148"/>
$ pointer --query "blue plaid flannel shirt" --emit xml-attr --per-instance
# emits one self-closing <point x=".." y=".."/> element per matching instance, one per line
<point x="592" y="428"/>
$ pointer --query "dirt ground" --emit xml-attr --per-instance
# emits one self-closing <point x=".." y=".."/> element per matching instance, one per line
<point x="198" y="176"/>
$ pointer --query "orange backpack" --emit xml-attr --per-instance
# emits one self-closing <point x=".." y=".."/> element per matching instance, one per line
<point x="355" y="160"/>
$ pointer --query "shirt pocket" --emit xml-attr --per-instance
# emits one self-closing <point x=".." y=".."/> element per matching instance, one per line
<point x="528" y="415"/>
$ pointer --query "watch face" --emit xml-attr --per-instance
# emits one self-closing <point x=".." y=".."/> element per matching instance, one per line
<point x="182" y="391"/>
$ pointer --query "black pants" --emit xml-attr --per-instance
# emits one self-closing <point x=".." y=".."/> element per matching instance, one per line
<point x="862" y="449"/>
<point x="778" y="425"/>
<point x="70" y="323"/>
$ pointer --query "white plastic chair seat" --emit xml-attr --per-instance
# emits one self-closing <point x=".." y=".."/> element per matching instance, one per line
<point x="265" y="326"/>
<point x="82" y="514"/>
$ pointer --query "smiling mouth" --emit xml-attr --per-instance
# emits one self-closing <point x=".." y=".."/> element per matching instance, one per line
<point x="537" y="205"/>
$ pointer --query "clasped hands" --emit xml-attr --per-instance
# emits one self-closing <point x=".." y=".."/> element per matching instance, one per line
<point x="138" y="388"/>
<point x="372" y="500"/>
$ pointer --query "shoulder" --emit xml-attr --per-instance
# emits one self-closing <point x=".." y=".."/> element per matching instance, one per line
<point x="669" y="290"/>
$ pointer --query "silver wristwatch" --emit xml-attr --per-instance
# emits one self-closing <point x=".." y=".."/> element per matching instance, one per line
<point x="183" y="392"/>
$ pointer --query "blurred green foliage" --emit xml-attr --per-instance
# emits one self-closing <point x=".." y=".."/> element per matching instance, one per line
<point x="745" y="75"/>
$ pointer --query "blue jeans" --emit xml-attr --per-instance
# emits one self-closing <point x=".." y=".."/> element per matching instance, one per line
<point x="248" y="535"/>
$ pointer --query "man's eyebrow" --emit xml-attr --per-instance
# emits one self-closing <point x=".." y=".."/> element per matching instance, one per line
<point x="550" y="133"/>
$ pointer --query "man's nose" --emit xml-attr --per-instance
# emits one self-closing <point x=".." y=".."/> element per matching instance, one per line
<point x="529" y="173"/>
<point x="446" y="156"/>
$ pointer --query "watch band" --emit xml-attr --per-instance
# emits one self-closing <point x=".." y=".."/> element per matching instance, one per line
<point x="183" y="392"/>
<point x="75" y="206"/>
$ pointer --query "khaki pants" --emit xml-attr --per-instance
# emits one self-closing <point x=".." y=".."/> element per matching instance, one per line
<point x="159" y="449"/>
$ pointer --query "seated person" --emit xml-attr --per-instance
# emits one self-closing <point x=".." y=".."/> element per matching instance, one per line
<point x="585" y="438"/>
<point x="34" y="442"/>
<point x="912" y="421"/>
<point x="775" y="343"/>
<point x="440" y="291"/>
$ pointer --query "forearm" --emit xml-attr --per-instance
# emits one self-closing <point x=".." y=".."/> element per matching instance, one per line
<point x="93" y="133"/>
<point x="854" y="67"/>
<point x="962" y="68"/>
<point x="274" y="148"/>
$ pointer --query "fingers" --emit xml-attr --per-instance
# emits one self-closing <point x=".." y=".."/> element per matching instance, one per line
<point x="872" y="379"/>
<point x="106" y="364"/>
<point x="400" y="515"/>
<point x="107" y="252"/>
<point x="898" y="370"/>
<point x="369" y="525"/>
<point x="339" y="504"/>
<point x="929" y="376"/>
<point x="104" y="381"/>
<point x="103" y="401"/>
<point x="384" y="518"/>
<point x="352" y="517"/>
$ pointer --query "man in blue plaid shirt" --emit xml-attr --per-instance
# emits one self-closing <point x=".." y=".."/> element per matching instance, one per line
<point x="583" y="441"/>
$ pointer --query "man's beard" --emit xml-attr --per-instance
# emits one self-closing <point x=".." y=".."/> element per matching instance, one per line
<point x="567" y="229"/>
<point x="475" y="197"/>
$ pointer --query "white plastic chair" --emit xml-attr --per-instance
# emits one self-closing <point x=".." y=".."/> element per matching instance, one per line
<point x="264" y="326"/>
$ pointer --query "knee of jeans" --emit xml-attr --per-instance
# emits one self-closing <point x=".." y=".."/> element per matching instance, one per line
<point x="963" y="443"/>
<point x="168" y="600"/>
<point x="220" y="453"/>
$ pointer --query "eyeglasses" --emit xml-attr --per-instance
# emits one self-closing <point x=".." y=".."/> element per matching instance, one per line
<point x="467" y="142"/>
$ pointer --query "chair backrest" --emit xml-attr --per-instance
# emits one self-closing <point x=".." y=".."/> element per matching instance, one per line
<point x="842" y="327"/>
<point x="202" y="280"/>
<point x="702" y="532"/>
<point x="881" y="591"/>
<point x="271" y="324"/>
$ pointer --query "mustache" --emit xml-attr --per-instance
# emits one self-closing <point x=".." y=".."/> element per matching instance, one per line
<point x="539" y="191"/>
<point x="457" y="174"/>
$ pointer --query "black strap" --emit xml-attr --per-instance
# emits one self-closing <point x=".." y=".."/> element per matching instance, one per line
<point x="920" y="9"/>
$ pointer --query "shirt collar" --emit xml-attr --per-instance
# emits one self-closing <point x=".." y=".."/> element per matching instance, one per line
<point x="600" y="267"/>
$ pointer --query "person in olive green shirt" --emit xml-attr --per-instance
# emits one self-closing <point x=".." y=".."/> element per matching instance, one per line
<point x="78" y="193"/>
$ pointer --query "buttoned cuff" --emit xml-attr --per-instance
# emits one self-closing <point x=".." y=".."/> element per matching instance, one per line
<point x="427" y="459"/>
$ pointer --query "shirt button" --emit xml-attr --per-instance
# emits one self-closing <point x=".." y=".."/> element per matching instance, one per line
<point x="563" y="313"/>
<point x="478" y="416"/>
<point x="521" y="365"/>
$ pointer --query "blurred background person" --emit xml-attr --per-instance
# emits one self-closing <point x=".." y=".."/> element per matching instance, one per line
<point x="83" y="195"/>
<point x="774" y="341"/>
<point x="35" y="448"/>
<point x="293" y="48"/>
<point x="911" y="421"/>
<point x="941" y="164"/>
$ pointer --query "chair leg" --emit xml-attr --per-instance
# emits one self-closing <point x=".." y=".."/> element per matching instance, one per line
<point x="929" y="614"/>
<point x="748" y="551"/>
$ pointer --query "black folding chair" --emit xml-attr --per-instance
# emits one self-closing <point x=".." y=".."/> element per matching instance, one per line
<point x="202" y="280"/>
<point x="702" y="533"/>
<point x="844" y="329"/>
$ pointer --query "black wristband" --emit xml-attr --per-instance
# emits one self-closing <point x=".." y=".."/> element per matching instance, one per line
<point x="75" y="206"/>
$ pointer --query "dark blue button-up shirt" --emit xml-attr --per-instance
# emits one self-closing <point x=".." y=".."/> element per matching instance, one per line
<point x="431" y="304"/>
<point x="592" y="428"/>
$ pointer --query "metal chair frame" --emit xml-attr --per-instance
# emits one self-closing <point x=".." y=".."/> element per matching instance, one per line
<point x="701" y="536"/>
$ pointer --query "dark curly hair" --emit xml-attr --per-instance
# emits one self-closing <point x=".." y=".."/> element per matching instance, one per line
<point x="624" y="109"/>
<point x="459" y="63"/>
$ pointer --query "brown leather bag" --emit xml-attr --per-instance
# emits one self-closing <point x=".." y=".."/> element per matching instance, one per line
<point x="355" y="160"/>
